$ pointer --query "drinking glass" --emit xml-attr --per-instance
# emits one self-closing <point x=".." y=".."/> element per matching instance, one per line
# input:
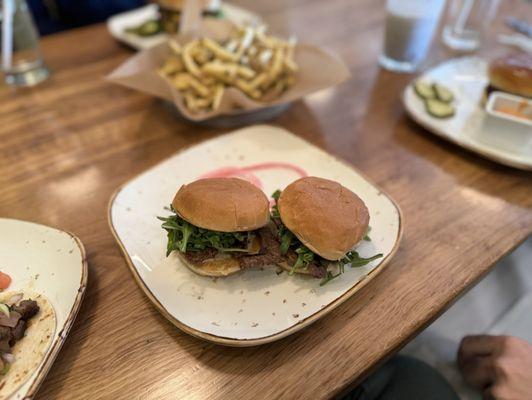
<point x="22" y="62"/>
<point x="467" y="22"/>
<point x="410" y="27"/>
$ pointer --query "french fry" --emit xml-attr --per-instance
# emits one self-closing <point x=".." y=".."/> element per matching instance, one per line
<point x="181" y="81"/>
<point x="224" y="72"/>
<point x="289" y="59"/>
<point x="259" y="80"/>
<point x="231" y="46"/>
<point x="188" y="61"/>
<point x="248" y="89"/>
<point x="176" y="47"/>
<point x="245" y="42"/>
<point x="265" y="40"/>
<point x="219" y="51"/>
<point x="195" y="104"/>
<point x="217" y="97"/>
<point x="277" y="64"/>
<point x="261" y="66"/>
<point x="198" y="87"/>
<point x="172" y="66"/>
<point x="201" y="54"/>
<point x="245" y="72"/>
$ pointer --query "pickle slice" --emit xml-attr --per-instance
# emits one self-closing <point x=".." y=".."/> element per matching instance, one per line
<point x="442" y="93"/>
<point x="439" y="109"/>
<point x="424" y="90"/>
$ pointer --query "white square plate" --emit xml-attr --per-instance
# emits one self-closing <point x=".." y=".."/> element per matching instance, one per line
<point x="471" y="127"/>
<point x="254" y="306"/>
<point x="117" y="24"/>
<point x="50" y="262"/>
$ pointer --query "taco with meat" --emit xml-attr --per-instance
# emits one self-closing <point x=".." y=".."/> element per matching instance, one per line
<point x="27" y="326"/>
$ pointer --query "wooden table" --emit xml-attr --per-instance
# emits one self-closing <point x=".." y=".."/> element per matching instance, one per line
<point x="67" y="144"/>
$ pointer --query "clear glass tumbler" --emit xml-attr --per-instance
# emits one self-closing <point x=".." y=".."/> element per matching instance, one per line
<point x="410" y="27"/>
<point x="467" y="22"/>
<point x="22" y="62"/>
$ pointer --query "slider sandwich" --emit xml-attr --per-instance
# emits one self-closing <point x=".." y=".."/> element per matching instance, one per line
<point x="319" y="224"/>
<point x="511" y="74"/>
<point x="220" y="226"/>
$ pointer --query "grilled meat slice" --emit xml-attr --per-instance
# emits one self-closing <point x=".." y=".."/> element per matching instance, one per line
<point x="27" y="309"/>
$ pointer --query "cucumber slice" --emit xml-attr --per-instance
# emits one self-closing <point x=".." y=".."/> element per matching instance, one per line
<point x="424" y="90"/>
<point x="438" y="108"/>
<point x="148" y="28"/>
<point x="442" y="93"/>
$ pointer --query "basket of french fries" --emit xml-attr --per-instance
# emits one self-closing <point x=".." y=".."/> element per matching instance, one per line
<point x="228" y="70"/>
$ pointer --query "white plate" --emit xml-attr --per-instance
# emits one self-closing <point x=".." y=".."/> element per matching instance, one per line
<point x="117" y="24"/>
<point x="506" y="142"/>
<point x="50" y="262"/>
<point x="254" y="306"/>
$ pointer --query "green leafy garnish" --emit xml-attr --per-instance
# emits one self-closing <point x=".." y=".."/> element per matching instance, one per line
<point x="4" y="309"/>
<point x="275" y="209"/>
<point x="366" y="236"/>
<point x="286" y="239"/>
<point x="184" y="236"/>
<point x="148" y="28"/>
<point x="329" y="277"/>
<point x="276" y="196"/>
<point x="354" y="260"/>
<point x="304" y="257"/>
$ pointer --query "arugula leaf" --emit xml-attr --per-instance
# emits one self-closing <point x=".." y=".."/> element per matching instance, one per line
<point x="366" y="236"/>
<point x="329" y="277"/>
<point x="304" y="257"/>
<point x="354" y="260"/>
<point x="184" y="236"/>
<point x="275" y="209"/>
<point x="286" y="239"/>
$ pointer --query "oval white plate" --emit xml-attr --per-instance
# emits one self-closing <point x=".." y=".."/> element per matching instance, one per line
<point x="472" y="128"/>
<point x="254" y="306"/>
<point x="117" y="24"/>
<point x="50" y="262"/>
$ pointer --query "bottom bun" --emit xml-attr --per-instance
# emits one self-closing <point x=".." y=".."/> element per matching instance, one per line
<point x="220" y="266"/>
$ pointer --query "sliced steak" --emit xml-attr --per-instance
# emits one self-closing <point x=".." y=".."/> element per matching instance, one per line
<point x="316" y="270"/>
<point x="27" y="309"/>
<point x="18" y="332"/>
<point x="269" y="252"/>
<point x="5" y="333"/>
<point x="4" y="346"/>
<point x="10" y="321"/>
<point x="197" y="257"/>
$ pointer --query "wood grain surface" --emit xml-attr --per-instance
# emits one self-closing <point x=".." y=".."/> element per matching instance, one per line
<point x="66" y="145"/>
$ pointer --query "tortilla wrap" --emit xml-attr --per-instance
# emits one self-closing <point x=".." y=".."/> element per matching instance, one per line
<point x="30" y="351"/>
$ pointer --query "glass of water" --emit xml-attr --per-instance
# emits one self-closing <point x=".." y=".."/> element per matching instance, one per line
<point x="467" y="22"/>
<point x="410" y="27"/>
<point x="22" y="62"/>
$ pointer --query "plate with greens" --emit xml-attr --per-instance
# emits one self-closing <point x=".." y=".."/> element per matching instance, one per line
<point x="141" y="28"/>
<point x="261" y="303"/>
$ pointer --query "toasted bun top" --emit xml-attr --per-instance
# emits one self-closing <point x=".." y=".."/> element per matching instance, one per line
<point x="512" y="74"/>
<point x="223" y="204"/>
<point x="327" y="217"/>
